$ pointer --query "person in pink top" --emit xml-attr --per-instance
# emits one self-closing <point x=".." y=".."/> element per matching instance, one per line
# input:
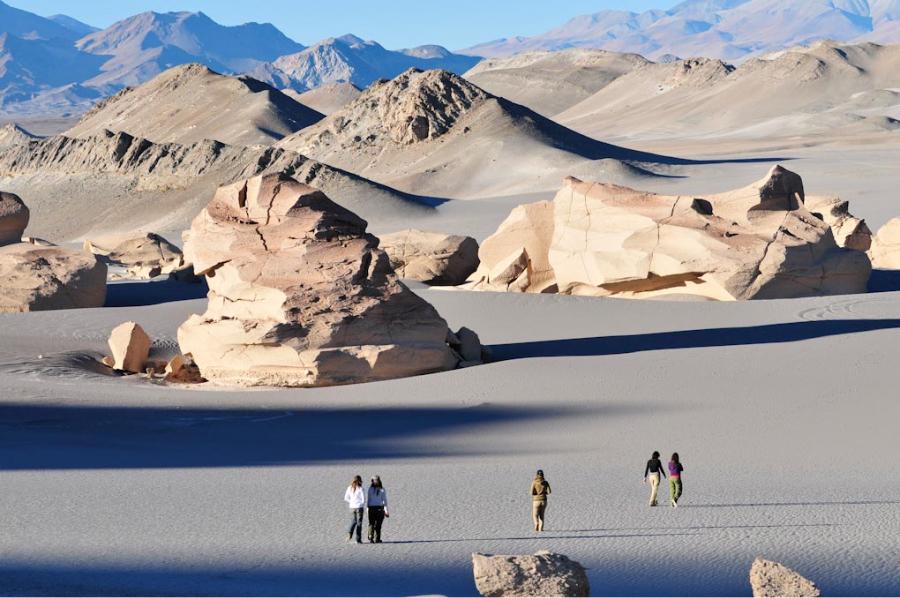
<point x="675" y="469"/>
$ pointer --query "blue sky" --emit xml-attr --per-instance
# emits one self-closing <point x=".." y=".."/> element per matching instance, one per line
<point x="394" y="23"/>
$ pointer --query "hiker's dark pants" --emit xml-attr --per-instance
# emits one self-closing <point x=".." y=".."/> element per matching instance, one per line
<point x="376" y="518"/>
<point x="356" y="522"/>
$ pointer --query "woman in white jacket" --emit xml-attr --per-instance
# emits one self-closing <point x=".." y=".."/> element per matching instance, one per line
<point x="355" y="496"/>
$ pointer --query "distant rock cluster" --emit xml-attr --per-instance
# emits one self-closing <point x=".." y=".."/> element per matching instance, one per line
<point x="759" y="242"/>
<point x="300" y="295"/>
<point x="433" y="258"/>
<point x="36" y="275"/>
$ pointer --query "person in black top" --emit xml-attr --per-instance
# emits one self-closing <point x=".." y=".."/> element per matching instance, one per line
<point x="652" y="473"/>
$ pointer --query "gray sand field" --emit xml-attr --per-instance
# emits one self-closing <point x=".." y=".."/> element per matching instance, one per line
<point x="784" y="413"/>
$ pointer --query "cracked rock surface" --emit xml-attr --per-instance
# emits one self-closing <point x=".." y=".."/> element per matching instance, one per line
<point x="758" y="242"/>
<point x="300" y="294"/>
<point x="885" y="252"/>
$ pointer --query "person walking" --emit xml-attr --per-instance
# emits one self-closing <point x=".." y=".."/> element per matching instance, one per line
<point x="675" y="469"/>
<point x="355" y="497"/>
<point x="378" y="509"/>
<point x="652" y="472"/>
<point x="540" y="489"/>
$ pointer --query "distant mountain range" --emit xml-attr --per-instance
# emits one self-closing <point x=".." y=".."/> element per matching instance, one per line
<point x="59" y="65"/>
<point x="725" y="29"/>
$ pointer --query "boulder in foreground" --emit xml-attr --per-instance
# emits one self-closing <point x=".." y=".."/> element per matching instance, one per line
<point x="300" y="294"/>
<point x="773" y="580"/>
<point x="432" y="258"/>
<point x="130" y="347"/>
<point x="540" y="574"/>
<point x="759" y="242"/>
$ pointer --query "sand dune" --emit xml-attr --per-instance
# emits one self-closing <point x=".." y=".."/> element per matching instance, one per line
<point x="132" y="184"/>
<point x="438" y="133"/>
<point x="190" y="103"/>
<point x="327" y="98"/>
<point x="822" y="90"/>
<point x="550" y="82"/>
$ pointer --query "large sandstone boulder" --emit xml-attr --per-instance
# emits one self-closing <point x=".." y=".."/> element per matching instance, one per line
<point x="432" y="258"/>
<point x="14" y="216"/>
<point x="130" y="347"/>
<point x="759" y="242"/>
<point x="36" y="278"/>
<point x="143" y="256"/>
<point x="885" y="252"/>
<point x="37" y="275"/>
<point x="541" y="574"/>
<point x="773" y="580"/>
<point x="300" y="294"/>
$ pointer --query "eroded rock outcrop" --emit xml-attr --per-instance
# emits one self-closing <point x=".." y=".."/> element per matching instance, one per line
<point x="300" y="294"/>
<point x="540" y="574"/>
<point x="769" y="579"/>
<point x="432" y="258"/>
<point x="143" y="256"/>
<point x="759" y="242"/>
<point x="39" y="276"/>
<point x="848" y="230"/>
<point x="885" y="251"/>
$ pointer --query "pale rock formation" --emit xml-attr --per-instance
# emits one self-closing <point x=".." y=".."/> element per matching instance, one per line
<point x="516" y="257"/>
<point x="773" y="580"/>
<point x="37" y="278"/>
<point x="14" y="216"/>
<point x="300" y="294"/>
<point x="432" y="258"/>
<point x="759" y="242"/>
<point x="143" y="257"/>
<point x="37" y="275"/>
<point x="885" y="252"/>
<point x="541" y="574"/>
<point x="130" y="347"/>
<point x="848" y="230"/>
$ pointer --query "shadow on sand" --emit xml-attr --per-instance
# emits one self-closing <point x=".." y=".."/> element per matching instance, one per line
<point x="152" y="292"/>
<point x="688" y="339"/>
<point x="41" y="437"/>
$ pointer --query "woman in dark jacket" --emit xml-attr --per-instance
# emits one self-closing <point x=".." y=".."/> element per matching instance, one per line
<point x="378" y="509"/>
<point x="540" y="489"/>
<point x="652" y="472"/>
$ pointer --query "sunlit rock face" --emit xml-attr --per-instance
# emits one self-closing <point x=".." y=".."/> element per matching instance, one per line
<point x="300" y="294"/>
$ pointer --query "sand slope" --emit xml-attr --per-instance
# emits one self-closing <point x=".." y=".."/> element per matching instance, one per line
<point x="550" y="82"/>
<point x="824" y="89"/>
<point x="438" y="133"/>
<point x="327" y="98"/>
<point x="114" y="182"/>
<point x="190" y="103"/>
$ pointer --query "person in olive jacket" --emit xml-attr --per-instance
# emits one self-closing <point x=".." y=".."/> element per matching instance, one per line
<point x="540" y="489"/>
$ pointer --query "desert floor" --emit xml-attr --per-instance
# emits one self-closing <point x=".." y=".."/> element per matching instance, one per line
<point x="784" y="413"/>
